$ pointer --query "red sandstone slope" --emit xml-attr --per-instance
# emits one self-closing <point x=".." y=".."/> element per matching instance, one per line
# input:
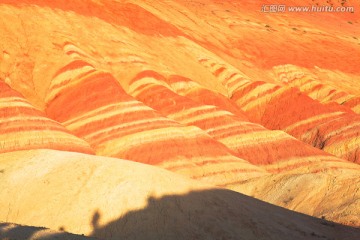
<point x="117" y="125"/>
<point x="319" y="87"/>
<point x="325" y="126"/>
<point x="24" y="127"/>
<point x="238" y="134"/>
<point x="212" y="107"/>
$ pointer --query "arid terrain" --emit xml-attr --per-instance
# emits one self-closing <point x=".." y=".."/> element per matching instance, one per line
<point x="179" y="119"/>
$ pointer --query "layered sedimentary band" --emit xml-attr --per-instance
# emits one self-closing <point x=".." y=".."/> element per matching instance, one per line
<point x="23" y="127"/>
<point x="239" y="135"/>
<point x="330" y="127"/>
<point x="115" y="124"/>
<point x="313" y="86"/>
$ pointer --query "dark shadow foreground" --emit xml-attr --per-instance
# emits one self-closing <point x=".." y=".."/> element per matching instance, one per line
<point x="211" y="214"/>
<point x="219" y="214"/>
<point x="17" y="232"/>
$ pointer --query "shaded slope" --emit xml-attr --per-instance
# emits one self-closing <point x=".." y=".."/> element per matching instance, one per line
<point x="122" y="199"/>
<point x="247" y="227"/>
<point x="24" y="127"/>
<point x="18" y="232"/>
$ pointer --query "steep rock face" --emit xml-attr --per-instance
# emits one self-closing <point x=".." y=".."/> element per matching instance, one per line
<point x="24" y="127"/>
<point x="122" y="199"/>
<point x="93" y="105"/>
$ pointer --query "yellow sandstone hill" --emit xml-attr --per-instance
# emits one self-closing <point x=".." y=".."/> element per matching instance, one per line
<point x="115" y="199"/>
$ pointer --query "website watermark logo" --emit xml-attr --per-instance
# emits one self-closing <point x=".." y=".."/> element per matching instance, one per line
<point x="281" y="8"/>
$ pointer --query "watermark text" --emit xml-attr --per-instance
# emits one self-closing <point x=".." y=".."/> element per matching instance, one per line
<point x="279" y="8"/>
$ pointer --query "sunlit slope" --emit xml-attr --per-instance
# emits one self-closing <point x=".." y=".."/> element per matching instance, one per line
<point x="321" y="88"/>
<point x="330" y="127"/>
<point x="112" y="199"/>
<point x="254" y="42"/>
<point x="313" y="190"/>
<point x="93" y="105"/>
<point x="23" y="127"/>
<point x="236" y="132"/>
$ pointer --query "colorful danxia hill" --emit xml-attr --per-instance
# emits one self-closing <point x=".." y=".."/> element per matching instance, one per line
<point x="179" y="119"/>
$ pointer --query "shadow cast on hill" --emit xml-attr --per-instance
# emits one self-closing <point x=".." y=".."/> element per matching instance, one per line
<point x="218" y="214"/>
<point x="17" y="232"/>
<point x="210" y="214"/>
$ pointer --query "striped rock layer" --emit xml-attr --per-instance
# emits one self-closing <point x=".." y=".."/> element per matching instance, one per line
<point x="329" y="127"/>
<point x="115" y="124"/>
<point x="206" y="160"/>
<point x="23" y="127"/>
<point x="314" y="87"/>
<point x="241" y="136"/>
